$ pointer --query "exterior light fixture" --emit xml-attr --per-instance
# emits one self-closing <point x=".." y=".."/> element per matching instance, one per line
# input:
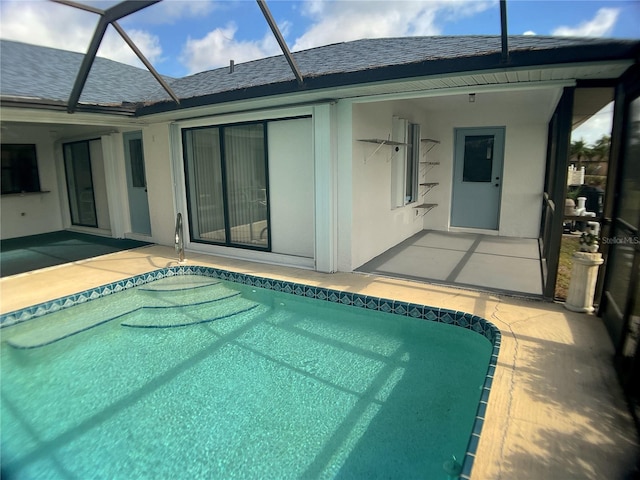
<point x="472" y="98"/>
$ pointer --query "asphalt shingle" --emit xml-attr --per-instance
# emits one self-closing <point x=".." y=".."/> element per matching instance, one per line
<point x="33" y="71"/>
<point x="49" y="74"/>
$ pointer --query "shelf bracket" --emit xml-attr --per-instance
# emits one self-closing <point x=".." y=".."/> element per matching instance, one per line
<point x="380" y="144"/>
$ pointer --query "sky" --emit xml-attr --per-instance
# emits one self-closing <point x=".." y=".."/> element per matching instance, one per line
<point x="181" y="37"/>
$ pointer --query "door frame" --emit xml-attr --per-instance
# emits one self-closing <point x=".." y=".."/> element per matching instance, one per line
<point x="126" y="138"/>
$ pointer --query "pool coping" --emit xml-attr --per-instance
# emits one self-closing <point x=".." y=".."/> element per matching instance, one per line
<point x="460" y="319"/>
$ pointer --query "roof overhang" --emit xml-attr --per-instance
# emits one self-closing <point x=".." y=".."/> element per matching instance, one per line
<point x="285" y="94"/>
<point x="57" y="105"/>
<point x="29" y="113"/>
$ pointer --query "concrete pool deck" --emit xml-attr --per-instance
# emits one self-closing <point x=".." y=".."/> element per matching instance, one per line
<point x="556" y="410"/>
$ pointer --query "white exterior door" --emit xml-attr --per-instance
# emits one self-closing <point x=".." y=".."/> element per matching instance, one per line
<point x="136" y="184"/>
<point x="477" y="178"/>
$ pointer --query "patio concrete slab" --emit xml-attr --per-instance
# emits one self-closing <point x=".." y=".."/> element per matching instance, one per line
<point x="494" y="263"/>
<point x="504" y="273"/>
<point x="509" y="247"/>
<point x="555" y="411"/>
<point x="421" y="262"/>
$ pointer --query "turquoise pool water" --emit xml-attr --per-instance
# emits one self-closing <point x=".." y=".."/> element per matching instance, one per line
<point x="196" y="377"/>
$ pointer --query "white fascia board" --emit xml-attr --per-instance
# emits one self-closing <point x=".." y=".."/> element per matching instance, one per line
<point x="490" y="88"/>
<point x="247" y="116"/>
<point x="31" y="115"/>
<point x="564" y="75"/>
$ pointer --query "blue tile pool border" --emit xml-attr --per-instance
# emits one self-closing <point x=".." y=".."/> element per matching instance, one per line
<point x="396" y="307"/>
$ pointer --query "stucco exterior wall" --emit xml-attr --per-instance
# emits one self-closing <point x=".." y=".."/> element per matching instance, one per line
<point x="157" y="157"/>
<point x="376" y="226"/>
<point x="525" y="116"/>
<point x="291" y="187"/>
<point x="35" y="213"/>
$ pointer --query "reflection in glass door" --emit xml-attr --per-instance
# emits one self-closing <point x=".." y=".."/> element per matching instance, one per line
<point x="620" y="295"/>
<point x="77" y="165"/>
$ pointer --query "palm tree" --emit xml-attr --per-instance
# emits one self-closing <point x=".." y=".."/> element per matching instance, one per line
<point x="601" y="148"/>
<point x="579" y="150"/>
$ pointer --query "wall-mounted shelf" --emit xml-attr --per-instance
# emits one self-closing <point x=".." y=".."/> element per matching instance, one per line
<point x="427" y="207"/>
<point x="380" y="142"/>
<point x="428" y="186"/>
<point x="430" y="142"/>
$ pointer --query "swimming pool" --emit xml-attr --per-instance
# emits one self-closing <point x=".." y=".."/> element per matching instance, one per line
<point x="284" y="381"/>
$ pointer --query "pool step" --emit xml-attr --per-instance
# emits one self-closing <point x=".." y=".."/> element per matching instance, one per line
<point x="55" y="326"/>
<point x="180" y="316"/>
<point x="179" y="282"/>
<point x="186" y="297"/>
<point x="183" y="307"/>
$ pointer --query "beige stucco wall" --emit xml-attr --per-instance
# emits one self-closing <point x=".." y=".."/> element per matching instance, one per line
<point x="31" y="214"/>
<point x="376" y="226"/>
<point x="157" y="158"/>
<point x="524" y="113"/>
<point x="525" y="116"/>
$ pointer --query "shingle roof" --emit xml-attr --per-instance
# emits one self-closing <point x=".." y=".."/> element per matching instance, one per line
<point x="49" y="74"/>
<point x="46" y="73"/>
<point x="372" y="54"/>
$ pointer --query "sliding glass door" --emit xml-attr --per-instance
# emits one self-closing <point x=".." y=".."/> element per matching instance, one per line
<point x="227" y="194"/>
<point x="77" y="165"/>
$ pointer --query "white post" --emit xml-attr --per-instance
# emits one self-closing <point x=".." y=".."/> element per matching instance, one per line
<point x="583" y="281"/>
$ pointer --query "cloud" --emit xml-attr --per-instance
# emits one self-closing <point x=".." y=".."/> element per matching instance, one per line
<point x="60" y="26"/>
<point x="338" y="21"/>
<point x="45" y="23"/>
<point x="601" y="25"/>
<point x="219" y="46"/>
<point x="172" y="11"/>
<point x="115" y="48"/>
<point x="598" y="125"/>
<point x="529" y="32"/>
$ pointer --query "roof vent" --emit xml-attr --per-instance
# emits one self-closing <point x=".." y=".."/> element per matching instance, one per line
<point x="231" y="66"/>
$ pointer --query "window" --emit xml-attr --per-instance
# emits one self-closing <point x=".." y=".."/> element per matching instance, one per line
<point x="19" y="169"/>
<point x="77" y="167"/>
<point x="405" y="162"/>
<point x="412" y="163"/>
<point x="136" y="157"/>
<point x="478" y="158"/>
<point x="227" y="194"/>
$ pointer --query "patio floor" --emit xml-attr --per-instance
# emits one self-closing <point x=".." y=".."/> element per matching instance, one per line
<point x="500" y="264"/>
<point x="556" y="410"/>
<point x="23" y="254"/>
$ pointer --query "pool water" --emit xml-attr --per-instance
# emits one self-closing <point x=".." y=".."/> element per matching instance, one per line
<point x="193" y="377"/>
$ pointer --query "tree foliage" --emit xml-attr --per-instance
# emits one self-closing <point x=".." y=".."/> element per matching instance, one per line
<point x="581" y="151"/>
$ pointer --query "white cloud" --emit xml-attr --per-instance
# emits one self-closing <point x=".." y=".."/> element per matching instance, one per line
<point x="529" y="32"/>
<point x="60" y="26"/>
<point x="219" y="46"/>
<point x="48" y="24"/>
<point x="171" y="11"/>
<point x="351" y="20"/>
<point x="601" y="25"/>
<point x="115" y="48"/>
<point x="598" y="125"/>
